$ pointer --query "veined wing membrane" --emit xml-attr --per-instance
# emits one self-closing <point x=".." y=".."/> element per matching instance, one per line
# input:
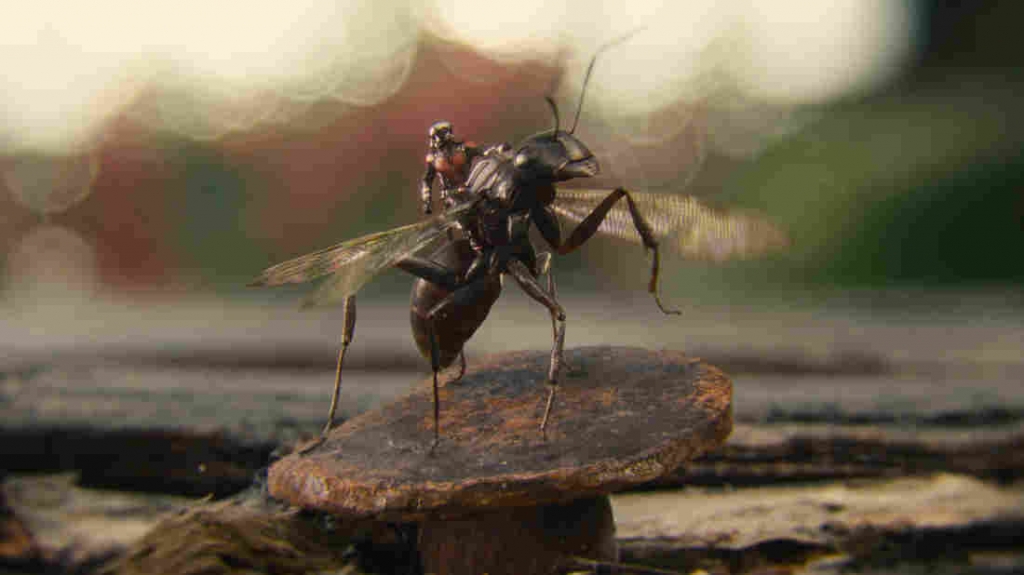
<point x="354" y="262"/>
<point x="680" y="223"/>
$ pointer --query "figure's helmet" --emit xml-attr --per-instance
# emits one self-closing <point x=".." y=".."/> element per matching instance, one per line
<point x="440" y="134"/>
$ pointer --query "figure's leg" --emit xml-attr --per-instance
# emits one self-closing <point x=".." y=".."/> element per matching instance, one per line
<point x="532" y="287"/>
<point x="589" y="226"/>
<point x="348" y="333"/>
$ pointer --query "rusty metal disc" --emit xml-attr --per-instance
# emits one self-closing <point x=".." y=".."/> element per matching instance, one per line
<point x="622" y="416"/>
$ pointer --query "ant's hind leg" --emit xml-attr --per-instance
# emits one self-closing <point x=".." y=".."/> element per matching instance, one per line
<point x="533" y="289"/>
<point x="347" y="335"/>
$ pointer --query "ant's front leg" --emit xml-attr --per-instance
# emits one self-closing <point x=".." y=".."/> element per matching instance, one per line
<point x="524" y="277"/>
<point x="588" y="227"/>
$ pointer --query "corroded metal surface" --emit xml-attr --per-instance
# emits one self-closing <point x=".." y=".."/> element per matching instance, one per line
<point x="623" y="416"/>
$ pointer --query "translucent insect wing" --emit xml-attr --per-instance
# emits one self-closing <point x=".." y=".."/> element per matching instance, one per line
<point x="351" y="264"/>
<point x="680" y="223"/>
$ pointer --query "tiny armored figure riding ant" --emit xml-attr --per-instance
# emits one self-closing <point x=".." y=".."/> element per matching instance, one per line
<point x="491" y="198"/>
<point x="448" y="160"/>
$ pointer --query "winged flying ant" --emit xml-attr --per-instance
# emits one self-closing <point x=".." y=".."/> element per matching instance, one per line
<point x="492" y="207"/>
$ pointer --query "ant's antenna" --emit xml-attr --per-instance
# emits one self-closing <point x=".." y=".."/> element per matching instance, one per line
<point x="554" y="110"/>
<point x="590" y="68"/>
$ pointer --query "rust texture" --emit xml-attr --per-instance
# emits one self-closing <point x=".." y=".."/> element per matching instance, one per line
<point x="623" y="416"/>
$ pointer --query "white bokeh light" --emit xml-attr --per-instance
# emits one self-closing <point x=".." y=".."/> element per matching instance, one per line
<point x="51" y="264"/>
<point x="49" y="184"/>
<point x="504" y="30"/>
<point x="732" y="68"/>
<point x="808" y="52"/>
<point x="65" y="69"/>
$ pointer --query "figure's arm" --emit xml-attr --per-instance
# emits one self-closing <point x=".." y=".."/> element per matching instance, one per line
<point x="427" y="183"/>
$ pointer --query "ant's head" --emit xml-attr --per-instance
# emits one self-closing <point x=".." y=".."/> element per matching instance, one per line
<point x="559" y="155"/>
<point x="555" y="156"/>
<point x="440" y="134"/>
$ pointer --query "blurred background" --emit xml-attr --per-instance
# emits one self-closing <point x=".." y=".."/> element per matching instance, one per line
<point x="175" y="150"/>
<point x="155" y="158"/>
